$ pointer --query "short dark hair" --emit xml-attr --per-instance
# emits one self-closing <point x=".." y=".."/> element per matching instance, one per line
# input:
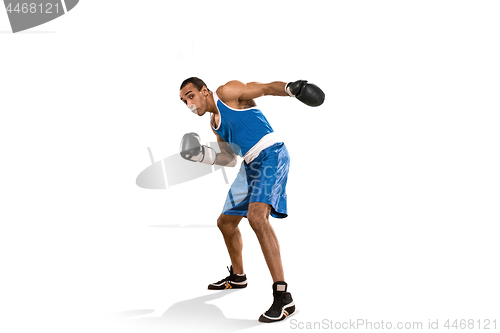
<point x="198" y="83"/>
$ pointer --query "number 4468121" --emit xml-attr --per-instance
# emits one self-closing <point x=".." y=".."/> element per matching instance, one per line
<point x="485" y="324"/>
<point x="33" y="8"/>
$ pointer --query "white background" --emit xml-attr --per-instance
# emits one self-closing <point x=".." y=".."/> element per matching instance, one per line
<point x="394" y="182"/>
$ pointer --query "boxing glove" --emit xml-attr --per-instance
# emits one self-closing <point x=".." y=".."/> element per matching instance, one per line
<point x="307" y="93"/>
<point x="192" y="150"/>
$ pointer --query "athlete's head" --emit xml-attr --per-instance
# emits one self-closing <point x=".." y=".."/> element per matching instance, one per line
<point x="193" y="93"/>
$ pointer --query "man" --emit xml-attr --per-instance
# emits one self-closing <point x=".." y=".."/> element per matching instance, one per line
<point x="259" y="188"/>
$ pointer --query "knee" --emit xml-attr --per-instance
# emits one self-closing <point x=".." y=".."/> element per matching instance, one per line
<point x="257" y="221"/>
<point x="221" y="223"/>
<point x="226" y="223"/>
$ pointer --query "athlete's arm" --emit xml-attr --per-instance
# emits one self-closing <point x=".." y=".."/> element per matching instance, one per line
<point x="226" y="157"/>
<point x="239" y="91"/>
<point x="236" y="91"/>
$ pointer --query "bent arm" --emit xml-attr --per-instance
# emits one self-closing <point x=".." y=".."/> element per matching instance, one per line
<point x="236" y="90"/>
<point x="226" y="157"/>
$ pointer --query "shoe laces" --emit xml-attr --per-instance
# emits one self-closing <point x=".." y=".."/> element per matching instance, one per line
<point x="227" y="278"/>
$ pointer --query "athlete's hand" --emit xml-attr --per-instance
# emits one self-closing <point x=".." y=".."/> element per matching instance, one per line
<point x="192" y="150"/>
<point x="307" y="93"/>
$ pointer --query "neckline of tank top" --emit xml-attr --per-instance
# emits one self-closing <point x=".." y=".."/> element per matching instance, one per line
<point x="216" y="98"/>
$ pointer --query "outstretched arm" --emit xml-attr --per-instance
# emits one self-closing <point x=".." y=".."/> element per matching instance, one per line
<point x="236" y="90"/>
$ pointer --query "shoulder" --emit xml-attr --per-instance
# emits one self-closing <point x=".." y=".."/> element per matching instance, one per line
<point x="230" y="91"/>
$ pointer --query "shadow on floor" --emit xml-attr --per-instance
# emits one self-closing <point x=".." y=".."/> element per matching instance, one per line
<point x="193" y="315"/>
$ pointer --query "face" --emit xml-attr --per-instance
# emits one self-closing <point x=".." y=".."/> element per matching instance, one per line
<point x="194" y="99"/>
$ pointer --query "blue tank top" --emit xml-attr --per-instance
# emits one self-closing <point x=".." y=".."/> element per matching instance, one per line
<point x="243" y="128"/>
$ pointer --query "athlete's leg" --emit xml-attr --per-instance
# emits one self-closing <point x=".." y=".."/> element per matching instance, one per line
<point x="228" y="225"/>
<point x="258" y="217"/>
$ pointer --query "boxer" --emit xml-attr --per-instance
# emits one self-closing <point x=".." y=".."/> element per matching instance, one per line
<point x="259" y="189"/>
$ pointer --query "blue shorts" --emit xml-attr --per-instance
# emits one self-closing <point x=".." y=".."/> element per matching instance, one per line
<point x="263" y="180"/>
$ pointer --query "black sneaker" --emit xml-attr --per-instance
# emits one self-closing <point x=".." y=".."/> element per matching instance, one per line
<point x="236" y="281"/>
<point x="282" y="307"/>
